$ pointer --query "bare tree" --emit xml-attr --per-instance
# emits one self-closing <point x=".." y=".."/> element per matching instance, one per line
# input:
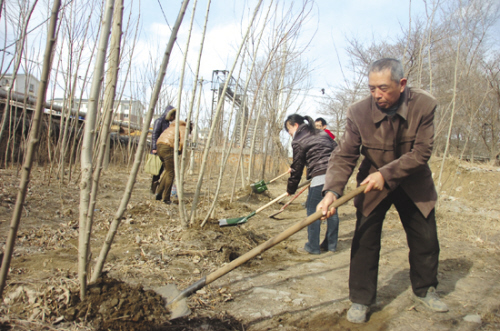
<point x="34" y="140"/>
<point x="217" y="113"/>
<point x="25" y="16"/>
<point x="140" y="149"/>
<point x="179" y="171"/>
<point x="88" y="146"/>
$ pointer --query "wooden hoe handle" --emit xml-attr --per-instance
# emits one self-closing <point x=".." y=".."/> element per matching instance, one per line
<point x="280" y="237"/>
<point x="272" y="180"/>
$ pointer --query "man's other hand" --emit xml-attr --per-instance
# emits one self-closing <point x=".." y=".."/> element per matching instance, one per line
<point x="323" y="205"/>
<point x="374" y="181"/>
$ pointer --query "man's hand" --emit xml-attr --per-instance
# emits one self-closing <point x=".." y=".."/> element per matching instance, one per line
<point x="375" y="181"/>
<point x="323" y="205"/>
<point x="153" y="151"/>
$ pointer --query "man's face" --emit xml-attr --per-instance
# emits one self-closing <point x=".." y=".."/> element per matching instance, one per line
<point x="384" y="90"/>
<point x="319" y="125"/>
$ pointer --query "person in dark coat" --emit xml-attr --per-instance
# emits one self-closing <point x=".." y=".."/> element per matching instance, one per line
<point x="312" y="149"/>
<point x="160" y="125"/>
<point x="394" y="129"/>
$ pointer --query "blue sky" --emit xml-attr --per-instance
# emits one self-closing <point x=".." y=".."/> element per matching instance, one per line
<point x="330" y="21"/>
<point x="329" y="24"/>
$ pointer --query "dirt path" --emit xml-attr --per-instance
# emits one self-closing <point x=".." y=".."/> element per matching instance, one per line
<point x="279" y="290"/>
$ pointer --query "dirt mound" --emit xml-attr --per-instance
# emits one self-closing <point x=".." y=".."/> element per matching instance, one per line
<point x="111" y="304"/>
<point x="115" y="305"/>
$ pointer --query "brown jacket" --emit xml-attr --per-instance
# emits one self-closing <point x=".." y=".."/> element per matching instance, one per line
<point x="167" y="137"/>
<point x="399" y="148"/>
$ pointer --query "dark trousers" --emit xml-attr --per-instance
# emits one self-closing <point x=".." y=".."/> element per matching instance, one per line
<point x="421" y="235"/>
<point x="156" y="178"/>
<point x="166" y="154"/>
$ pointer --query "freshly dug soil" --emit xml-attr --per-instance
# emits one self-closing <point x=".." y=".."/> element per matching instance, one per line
<point x="278" y="290"/>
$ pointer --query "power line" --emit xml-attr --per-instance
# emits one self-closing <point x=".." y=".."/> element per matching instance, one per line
<point x="180" y="49"/>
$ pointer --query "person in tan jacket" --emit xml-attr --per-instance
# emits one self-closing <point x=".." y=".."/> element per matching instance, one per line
<point x="160" y="125"/>
<point x="394" y="130"/>
<point x="165" y="150"/>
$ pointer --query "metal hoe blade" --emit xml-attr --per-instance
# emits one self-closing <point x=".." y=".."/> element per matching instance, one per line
<point x="179" y="307"/>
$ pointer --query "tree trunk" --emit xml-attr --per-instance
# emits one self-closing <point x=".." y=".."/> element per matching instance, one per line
<point x="32" y="147"/>
<point x="447" y="146"/>
<point x="140" y="148"/>
<point x="179" y="168"/>
<point x="111" y="81"/>
<point x="219" y="107"/>
<point x="88" y="145"/>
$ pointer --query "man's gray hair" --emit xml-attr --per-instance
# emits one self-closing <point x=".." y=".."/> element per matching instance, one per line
<point x="395" y="66"/>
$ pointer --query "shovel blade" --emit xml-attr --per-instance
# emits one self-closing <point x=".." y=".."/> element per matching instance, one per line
<point x="276" y="213"/>
<point x="232" y="221"/>
<point x="259" y="187"/>
<point x="179" y="308"/>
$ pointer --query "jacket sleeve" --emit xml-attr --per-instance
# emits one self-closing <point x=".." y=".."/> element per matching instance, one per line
<point x="413" y="161"/>
<point x="297" y="167"/>
<point x="344" y="158"/>
<point x="156" y="133"/>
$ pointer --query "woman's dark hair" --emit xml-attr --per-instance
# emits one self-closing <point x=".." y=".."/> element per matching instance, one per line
<point x="298" y="119"/>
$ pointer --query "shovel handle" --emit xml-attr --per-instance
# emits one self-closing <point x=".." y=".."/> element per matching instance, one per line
<point x="271" y="202"/>
<point x="296" y="195"/>
<point x="291" y="200"/>
<point x="279" y="238"/>
<point x="272" y="180"/>
<point x="306" y="183"/>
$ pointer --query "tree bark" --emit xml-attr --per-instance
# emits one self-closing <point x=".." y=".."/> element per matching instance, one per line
<point x="32" y="147"/>
<point x="87" y="147"/>
<point x="179" y="168"/>
<point x="140" y="148"/>
<point x="216" y="117"/>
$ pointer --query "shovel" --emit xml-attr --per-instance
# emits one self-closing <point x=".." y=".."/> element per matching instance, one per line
<point x="289" y="202"/>
<point x="240" y="220"/>
<point x="261" y="186"/>
<point x="176" y="301"/>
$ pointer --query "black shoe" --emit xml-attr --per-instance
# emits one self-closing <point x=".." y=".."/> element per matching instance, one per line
<point x="158" y="197"/>
<point x="324" y="247"/>
<point x="154" y="186"/>
<point x="168" y="202"/>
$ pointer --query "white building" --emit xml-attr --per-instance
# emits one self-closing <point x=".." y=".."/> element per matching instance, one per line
<point x="22" y="84"/>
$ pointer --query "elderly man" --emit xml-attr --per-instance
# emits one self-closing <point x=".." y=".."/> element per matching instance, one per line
<point x="394" y="130"/>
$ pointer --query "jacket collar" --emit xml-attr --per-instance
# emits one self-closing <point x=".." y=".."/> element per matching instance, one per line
<point x="302" y="129"/>
<point x="378" y="115"/>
